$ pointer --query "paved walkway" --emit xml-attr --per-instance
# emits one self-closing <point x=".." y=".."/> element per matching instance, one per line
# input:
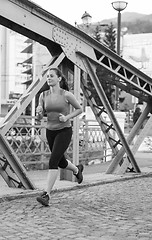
<point x="94" y="174"/>
<point x="105" y="207"/>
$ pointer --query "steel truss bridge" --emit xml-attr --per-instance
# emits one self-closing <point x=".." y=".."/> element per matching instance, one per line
<point x="73" y="50"/>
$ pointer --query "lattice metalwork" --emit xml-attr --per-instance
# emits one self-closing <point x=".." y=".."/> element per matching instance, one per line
<point x="119" y="139"/>
<point x="67" y="42"/>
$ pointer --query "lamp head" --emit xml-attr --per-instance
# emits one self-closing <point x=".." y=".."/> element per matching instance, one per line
<point x="119" y="5"/>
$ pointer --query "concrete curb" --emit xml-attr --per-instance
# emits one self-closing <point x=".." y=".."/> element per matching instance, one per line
<point x="34" y="193"/>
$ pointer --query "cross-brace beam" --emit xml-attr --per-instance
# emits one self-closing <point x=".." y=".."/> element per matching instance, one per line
<point x="106" y="128"/>
<point x="128" y="80"/>
<point x="62" y="39"/>
<point x="136" y="128"/>
<point x="143" y="132"/>
<point x="36" y="23"/>
<point x="27" y="96"/>
<point x="11" y="168"/>
<point x="90" y="70"/>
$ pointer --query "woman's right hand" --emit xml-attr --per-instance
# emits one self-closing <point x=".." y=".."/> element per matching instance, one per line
<point x="39" y="109"/>
<point x="39" y="112"/>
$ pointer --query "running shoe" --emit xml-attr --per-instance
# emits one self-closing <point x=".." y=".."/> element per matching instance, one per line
<point x="79" y="175"/>
<point x="43" y="199"/>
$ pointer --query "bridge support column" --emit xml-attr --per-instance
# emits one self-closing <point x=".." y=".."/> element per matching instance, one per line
<point x="67" y="174"/>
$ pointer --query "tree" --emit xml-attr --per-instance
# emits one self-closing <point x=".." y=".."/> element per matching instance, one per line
<point x="97" y="33"/>
<point x="105" y="76"/>
<point x="110" y="37"/>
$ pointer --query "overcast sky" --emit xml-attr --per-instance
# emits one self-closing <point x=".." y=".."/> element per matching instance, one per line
<point x="71" y="11"/>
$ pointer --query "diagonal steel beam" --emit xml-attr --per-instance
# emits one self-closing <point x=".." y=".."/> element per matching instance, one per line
<point x="90" y="69"/>
<point x="38" y="24"/>
<point x="27" y="97"/>
<point x="97" y="110"/>
<point x="130" y="81"/>
<point x="131" y="136"/>
<point x="142" y="134"/>
<point x="12" y="169"/>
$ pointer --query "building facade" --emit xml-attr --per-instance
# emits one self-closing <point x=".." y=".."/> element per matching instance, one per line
<point x="17" y="57"/>
<point x="136" y="49"/>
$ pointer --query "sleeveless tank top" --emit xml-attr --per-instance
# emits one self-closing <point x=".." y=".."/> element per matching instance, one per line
<point x="54" y="104"/>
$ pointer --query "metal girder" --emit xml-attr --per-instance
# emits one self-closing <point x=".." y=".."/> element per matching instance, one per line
<point x="114" y="164"/>
<point x="106" y="128"/>
<point x="11" y="168"/>
<point x="130" y="81"/>
<point x="38" y="24"/>
<point x="27" y="97"/>
<point x="142" y="134"/>
<point x="62" y="39"/>
<point x="8" y="175"/>
<point x="104" y="100"/>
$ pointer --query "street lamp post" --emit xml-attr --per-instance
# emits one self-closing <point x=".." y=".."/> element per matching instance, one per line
<point x="118" y="6"/>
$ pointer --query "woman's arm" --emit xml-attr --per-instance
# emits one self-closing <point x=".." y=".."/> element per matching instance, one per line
<point x="75" y="104"/>
<point x="39" y="109"/>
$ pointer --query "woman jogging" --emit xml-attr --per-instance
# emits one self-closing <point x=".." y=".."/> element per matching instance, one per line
<point x="57" y="102"/>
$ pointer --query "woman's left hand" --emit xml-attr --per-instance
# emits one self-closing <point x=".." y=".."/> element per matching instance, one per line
<point x="62" y="118"/>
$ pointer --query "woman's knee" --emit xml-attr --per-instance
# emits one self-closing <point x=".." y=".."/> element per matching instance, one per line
<point x="63" y="164"/>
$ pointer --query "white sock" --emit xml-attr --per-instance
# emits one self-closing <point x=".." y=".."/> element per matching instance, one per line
<point x="51" y="178"/>
<point x="75" y="173"/>
<point x="72" y="167"/>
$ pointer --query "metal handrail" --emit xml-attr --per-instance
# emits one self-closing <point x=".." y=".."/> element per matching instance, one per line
<point x="29" y="142"/>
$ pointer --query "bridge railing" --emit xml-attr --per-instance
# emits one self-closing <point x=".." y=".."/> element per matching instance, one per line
<point x="28" y="140"/>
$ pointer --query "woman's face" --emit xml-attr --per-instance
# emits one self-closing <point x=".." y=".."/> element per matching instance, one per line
<point x="52" y="78"/>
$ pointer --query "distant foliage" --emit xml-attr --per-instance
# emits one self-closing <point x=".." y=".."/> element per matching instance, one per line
<point x="136" y="23"/>
<point x="97" y="33"/>
<point x="105" y="77"/>
<point x="138" y="27"/>
<point x="110" y="37"/>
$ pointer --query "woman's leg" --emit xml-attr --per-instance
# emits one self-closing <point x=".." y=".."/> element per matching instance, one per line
<point x="60" y="145"/>
<point x="52" y="173"/>
<point x="51" y="178"/>
<point x="64" y="163"/>
<point x="58" y="142"/>
<point x="77" y="170"/>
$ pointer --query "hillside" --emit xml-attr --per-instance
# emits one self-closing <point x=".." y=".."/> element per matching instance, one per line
<point x="135" y="22"/>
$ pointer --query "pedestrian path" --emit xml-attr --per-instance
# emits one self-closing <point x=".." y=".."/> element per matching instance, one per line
<point x="93" y="175"/>
<point x="111" y="211"/>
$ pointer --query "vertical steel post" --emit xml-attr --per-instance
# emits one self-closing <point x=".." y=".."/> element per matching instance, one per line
<point x="118" y="32"/>
<point x="64" y="173"/>
<point x="76" y="124"/>
<point x="33" y="79"/>
<point x="118" y="52"/>
<point x="0" y="71"/>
